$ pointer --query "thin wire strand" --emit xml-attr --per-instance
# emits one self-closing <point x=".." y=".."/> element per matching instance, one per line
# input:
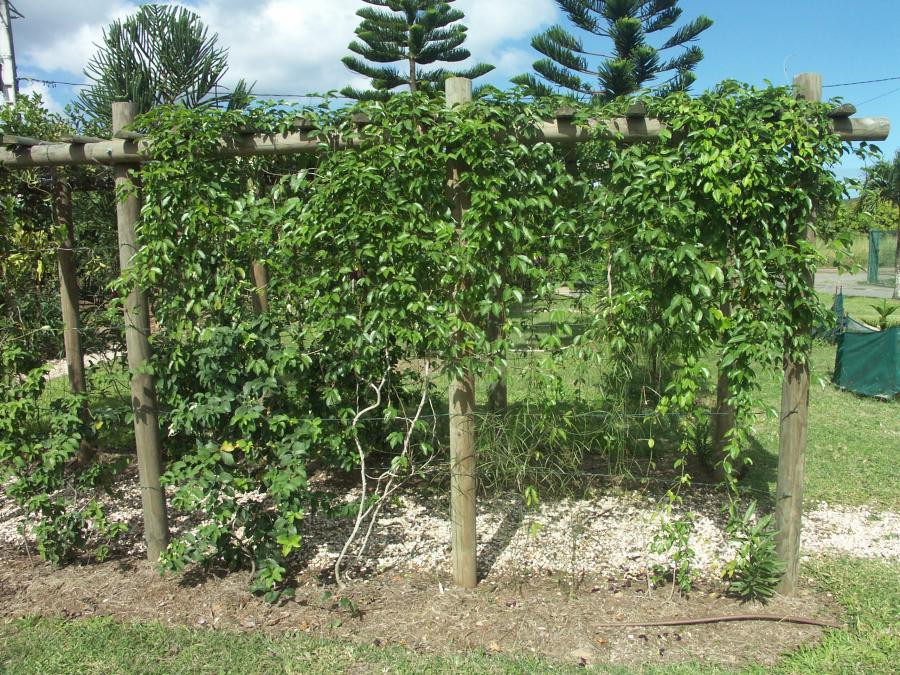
<point x="851" y="84"/>
<point x="892" y="91"/>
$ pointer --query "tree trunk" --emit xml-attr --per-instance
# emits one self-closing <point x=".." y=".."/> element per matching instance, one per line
<point x="724" y="422"/>
<point x="413" y="84"/>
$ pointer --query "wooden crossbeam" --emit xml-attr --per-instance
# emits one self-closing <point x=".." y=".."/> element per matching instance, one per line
<point x="125" y="135"/>
<point x="636" y="111"/>
<point x="21" y="141"/>
<point x="134" y="148"/>
<point x="81" y="140"/>
<point x="844" y="110"/>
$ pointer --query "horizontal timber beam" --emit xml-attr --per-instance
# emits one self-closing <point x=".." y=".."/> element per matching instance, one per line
<point x="561" y="131"/>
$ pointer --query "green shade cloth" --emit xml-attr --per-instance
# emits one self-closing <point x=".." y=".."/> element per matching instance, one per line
<point x="868" y="362"/>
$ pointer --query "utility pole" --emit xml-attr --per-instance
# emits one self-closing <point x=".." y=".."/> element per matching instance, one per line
<point x="8" y="77"/>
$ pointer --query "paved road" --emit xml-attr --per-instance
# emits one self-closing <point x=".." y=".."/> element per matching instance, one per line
<point x="828" y="280"/>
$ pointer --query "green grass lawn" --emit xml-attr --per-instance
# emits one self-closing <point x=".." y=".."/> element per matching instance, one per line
<point x="853" y="442"/>
<point x="869" y="591"/>
<point x="863" y="308"/>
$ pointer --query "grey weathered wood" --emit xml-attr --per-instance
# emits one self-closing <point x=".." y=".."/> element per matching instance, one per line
<point x="126" y="135"/>
<point x="82" y="140"/>
<point x="563" y="132"/>
<point x="793" y="425"/>
<point x="636" y="111"/>
<point x="559" y="131"/>
<point x="791" y="455"/>
<point x="462" y="405"/>
<point x="463" y="483"/>
<point x="843" y="110"/>
<point x="862" y="128"/>
<point x="24" y="141"/>
<point x="69" y="296"/>
<point x="137" y="332"/>
<point x="808" y="86"/>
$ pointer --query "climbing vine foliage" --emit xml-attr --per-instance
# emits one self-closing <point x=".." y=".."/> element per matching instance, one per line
<point x="378" y="263"/>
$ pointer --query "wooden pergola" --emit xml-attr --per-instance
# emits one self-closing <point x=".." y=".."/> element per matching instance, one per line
<point x="126" y="150"/>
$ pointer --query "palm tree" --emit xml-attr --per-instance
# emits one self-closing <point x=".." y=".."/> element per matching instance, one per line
<point x="162" y="54"/>
<point x="883" y="182"/>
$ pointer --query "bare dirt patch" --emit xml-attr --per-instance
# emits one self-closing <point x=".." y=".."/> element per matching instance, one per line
<point x="547" y="615"/>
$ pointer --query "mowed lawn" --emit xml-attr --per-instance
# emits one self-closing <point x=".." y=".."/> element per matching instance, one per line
<point x="853" y="445"/>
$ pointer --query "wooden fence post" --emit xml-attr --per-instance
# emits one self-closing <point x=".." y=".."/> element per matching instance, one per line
<point x="462" y="407"/>
<point x="137" y="333"/>
<point x="793" y="427"/>
<point x="69" y="295"/>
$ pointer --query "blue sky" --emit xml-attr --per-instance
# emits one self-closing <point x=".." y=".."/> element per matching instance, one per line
<point x="294" y="46"/>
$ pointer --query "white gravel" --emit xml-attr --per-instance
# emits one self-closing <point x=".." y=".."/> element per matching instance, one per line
<point x="59" y="368"/>
<point x="611" y="534"/>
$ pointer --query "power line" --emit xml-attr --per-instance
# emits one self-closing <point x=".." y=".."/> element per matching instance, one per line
<point x="51" y="83"/>
<point x="888" y="93"/>
<point x="850" y="84"/>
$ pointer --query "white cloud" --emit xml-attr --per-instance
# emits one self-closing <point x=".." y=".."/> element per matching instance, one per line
<point x="491" y="24"/>
<point x="513" y="61"/>
<point x="61" y="36"/>
<point x="285" y="46"/>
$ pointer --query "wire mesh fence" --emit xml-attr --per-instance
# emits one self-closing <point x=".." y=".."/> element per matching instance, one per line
<point x="881" y="268"/>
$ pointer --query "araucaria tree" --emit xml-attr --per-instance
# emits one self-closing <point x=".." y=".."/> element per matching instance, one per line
<point x="411" y="33"/>
<point x="633" y="64"/>
<point x="162" y="54"/>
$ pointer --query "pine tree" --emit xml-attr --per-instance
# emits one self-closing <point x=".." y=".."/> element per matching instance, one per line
<point x="161" y="54"/>
<point x="633" y="63"/>
<point x="411" y="32"/>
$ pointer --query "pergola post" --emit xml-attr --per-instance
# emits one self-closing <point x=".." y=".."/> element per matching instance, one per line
<point x="462" y="407"/>
<point x="137" y="333"/>
<point x="794" y="420"/>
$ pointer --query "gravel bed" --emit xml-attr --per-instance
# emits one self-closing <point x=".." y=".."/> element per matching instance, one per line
<point x="59" y="368"/>
<point x="610" y="534"/>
